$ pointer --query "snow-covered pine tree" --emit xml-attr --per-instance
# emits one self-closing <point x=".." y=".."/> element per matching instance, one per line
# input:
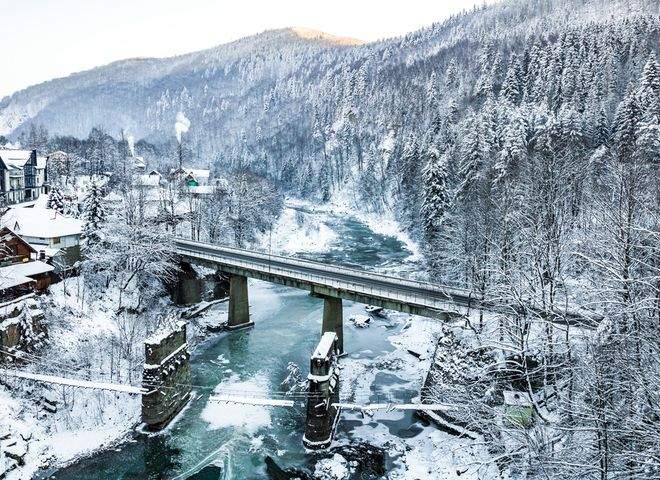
<point x="626" y="125"/>
<point x="56" y="200"/>
<point x="437" y="199"/>
<point x="94" y="214"/>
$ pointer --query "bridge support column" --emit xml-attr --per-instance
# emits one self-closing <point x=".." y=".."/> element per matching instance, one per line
<point x="239" y="306"/>
<point x="323" y="386"/>
<point x="333" y="320"/>
<point x="166" y="377"/>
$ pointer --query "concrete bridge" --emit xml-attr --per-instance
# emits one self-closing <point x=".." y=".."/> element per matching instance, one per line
<point x="329" y="282"/>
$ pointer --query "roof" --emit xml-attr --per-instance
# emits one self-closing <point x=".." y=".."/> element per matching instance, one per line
<point x="16" y="158"/>
<point x="19" y="274"/>
<point x="26" y="269"/>
<point x="8" y="231"/>
<point x="40" y="222"/>
<point x="9" y="282"/>
<point x="149" y="180"/>
<point x="195" y="172"/>
<point x="48" y="251"/>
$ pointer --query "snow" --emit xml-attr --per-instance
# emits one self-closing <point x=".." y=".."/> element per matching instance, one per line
<point x="382" y="223"/>
<point x="298" y="232"/>
<point x="247" y="417"/>
<point x="334" y="468"/>
<point x="324" y="346"/>
<point x="26" y="269"/>
<point x="360" y="321"/>
<point x="15" y="158"/>
<point x="40" y="222"/>
<point x="432" y="453"/>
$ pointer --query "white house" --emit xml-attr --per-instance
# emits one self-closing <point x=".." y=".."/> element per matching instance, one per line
<point x="47" y="231"/>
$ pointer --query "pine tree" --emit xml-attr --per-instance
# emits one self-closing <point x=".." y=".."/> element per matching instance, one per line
<point x="436" y="194"/>
<point x="93" y="214"/>
<point x="511" y="89"/>
<point x="514" y="150"/>
<point x="56" y="200"/>
<point x="626" y="127"/>
<point x="473" y="155"/>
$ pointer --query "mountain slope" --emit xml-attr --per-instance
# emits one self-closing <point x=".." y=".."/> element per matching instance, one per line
<point x="118" y="94"/>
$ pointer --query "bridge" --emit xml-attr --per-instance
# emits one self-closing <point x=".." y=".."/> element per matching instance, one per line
<point x="329" y="282"/>
<point x="334" y="283"/>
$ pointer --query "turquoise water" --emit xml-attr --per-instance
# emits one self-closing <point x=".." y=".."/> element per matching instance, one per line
<point x="237" y="439"/>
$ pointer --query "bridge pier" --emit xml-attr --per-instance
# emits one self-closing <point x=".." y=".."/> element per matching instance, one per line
<point x="333" y="320"/>
<point x="166" y="377"/>
<point x="239" y="305"/>
<point x="323" y="392"/>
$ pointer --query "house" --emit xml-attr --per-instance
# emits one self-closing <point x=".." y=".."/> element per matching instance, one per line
<point x="20" y="270"/>
<point x="191" y="177"/>
<point x="152" y="179"/>
<point x="23" y="175"/>
<point x="13" y="249"/>
<point x="57" y="236"/>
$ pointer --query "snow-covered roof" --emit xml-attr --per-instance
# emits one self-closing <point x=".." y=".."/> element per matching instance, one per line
<point x="10" y="282"/>
<point x="15" y="154"/>
<point x="149" y="180"/>
<point x="19" y="274"/>
<point x="199" y="173"/>
<point x="16" y="158"/>
<point x="26" y="269"/>
<point x="139" y="162"/>
<point x="48" y="251"/>
<point x="40" y="222"/>
<point x="195" y="172"/>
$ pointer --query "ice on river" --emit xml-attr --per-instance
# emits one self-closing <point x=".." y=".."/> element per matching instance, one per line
<point x="247" y="417"/>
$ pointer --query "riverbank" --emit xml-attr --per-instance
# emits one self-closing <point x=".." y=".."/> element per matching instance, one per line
<point x="388" y="358"/>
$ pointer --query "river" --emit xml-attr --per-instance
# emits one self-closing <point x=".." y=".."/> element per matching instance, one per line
<point x="237" y="439"/>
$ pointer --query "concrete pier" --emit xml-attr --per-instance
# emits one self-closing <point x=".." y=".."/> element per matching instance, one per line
<point x="323" y="392"/>
<point x="333" y="320"/>
<point x="239" y="304"/>
<point x="166" y="377"/>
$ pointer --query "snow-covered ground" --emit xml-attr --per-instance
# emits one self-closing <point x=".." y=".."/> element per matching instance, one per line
<point x="85" y="420"/>
<point x="431" y="453"/>
<point x="297" y="232"/>
<point x="96" y="420"/>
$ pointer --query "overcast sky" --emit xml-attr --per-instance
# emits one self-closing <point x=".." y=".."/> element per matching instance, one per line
<point x="45" y="39"/>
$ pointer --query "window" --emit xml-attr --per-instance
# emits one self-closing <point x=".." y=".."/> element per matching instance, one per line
<point x="56" y="240"/>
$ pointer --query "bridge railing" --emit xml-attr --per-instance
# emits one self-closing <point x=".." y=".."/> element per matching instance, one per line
<point x="395" y="281"/>
<point x="202" y="251"/>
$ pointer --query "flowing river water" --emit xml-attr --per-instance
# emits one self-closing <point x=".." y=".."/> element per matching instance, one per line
<point x="236" y="439"/>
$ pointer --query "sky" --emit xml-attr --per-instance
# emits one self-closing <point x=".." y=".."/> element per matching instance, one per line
<point x="45" y="39"/>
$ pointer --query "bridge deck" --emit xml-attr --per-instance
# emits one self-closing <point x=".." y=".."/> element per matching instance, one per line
<point x="326" y="280"/>
<point x="113" y="387"/>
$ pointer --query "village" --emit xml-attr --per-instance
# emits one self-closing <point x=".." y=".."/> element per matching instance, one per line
<point x="40" y="240"/>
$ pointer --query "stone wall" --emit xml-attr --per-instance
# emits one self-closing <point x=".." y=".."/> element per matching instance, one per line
<point x="13" y="334"/>
<point x="166" y="376"/>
